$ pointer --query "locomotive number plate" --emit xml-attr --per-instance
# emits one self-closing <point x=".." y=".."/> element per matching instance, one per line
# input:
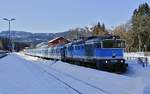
<point x="113" y="60"/>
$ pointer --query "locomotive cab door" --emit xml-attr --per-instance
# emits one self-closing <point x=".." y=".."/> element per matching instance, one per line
<point x="88" y="52"/>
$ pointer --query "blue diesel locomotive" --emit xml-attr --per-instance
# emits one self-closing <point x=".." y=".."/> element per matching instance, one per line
<point x="104" y="53"/>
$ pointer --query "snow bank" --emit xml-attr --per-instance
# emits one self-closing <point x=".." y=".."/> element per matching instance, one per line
<point x="136" y="70"/>
<point x="133" y="56"/>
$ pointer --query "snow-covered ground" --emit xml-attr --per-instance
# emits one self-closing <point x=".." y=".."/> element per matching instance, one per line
<point x="18" y="76"/>
<point x="21" y="74"/>
<point x="137" y="71"/>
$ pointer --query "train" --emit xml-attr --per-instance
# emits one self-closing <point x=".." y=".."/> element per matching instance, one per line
<point x="103" y="53"/>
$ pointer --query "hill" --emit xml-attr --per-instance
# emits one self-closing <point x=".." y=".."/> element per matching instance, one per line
<point x="35" y="38"/>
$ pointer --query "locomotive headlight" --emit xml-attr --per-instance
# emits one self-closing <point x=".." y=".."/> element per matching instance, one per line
<point x="121" y="61"/>
<point x="106" y="61"/>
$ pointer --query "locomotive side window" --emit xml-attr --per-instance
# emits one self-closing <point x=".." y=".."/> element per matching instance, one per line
<point x="97" y="45"/>
<point x="113" y="44"/>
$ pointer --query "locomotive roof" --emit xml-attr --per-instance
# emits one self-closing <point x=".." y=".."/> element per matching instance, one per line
<point x="102" y="37"/>
<point x="93" y="39"/>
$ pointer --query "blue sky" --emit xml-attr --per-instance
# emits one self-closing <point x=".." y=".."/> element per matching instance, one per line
<point x="61" y="15"/>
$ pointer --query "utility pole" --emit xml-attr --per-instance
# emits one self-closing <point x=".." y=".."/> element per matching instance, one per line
<point x="11" y="45"/>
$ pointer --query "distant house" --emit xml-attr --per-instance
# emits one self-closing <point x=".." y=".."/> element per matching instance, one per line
<point x="57" y="41"/>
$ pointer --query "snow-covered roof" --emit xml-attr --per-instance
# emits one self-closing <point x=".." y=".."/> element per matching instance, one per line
<point x="55" y="39"/>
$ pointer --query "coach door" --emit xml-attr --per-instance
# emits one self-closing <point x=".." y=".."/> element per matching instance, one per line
<point x="62" y="51"/>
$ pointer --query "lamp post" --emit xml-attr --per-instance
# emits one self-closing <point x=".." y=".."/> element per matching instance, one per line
<point x="9" y="20"/>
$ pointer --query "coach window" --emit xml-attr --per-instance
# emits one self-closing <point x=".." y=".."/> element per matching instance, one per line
<point x="56" y="50"/>
<point x="76" y="47"/>
<point x="83" y="46"/>
<point x="79" y="47"/>
<point x="69" y="48"/>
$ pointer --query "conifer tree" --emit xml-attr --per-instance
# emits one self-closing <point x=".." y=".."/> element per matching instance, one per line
<point x="141" y="27"/>
<point x="99" y="30"/>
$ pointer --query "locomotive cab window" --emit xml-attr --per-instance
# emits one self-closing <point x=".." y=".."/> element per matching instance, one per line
<point x="113" y="44"/>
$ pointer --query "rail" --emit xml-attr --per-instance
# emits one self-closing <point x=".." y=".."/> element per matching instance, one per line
<point x="3" y="53"/>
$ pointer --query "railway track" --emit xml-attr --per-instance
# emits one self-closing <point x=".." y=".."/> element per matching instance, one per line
<point x="3" y="55"/>
<point x="82" y="81"/>
<point x="57" y="78"/>
<point x="70" y="80"/>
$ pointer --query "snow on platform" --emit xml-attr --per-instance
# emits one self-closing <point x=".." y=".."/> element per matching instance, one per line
<point x="136" y="70"/>
<point x="18" y="76"/>
<point x="91" y="81"/>
<point x="21" y="74"/>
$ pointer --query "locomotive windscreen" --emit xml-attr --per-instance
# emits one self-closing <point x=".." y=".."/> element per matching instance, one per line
<point x="113" y="43"/>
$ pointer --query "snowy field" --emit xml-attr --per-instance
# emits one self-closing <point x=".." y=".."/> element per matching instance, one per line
<point x="21" y="74"/>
